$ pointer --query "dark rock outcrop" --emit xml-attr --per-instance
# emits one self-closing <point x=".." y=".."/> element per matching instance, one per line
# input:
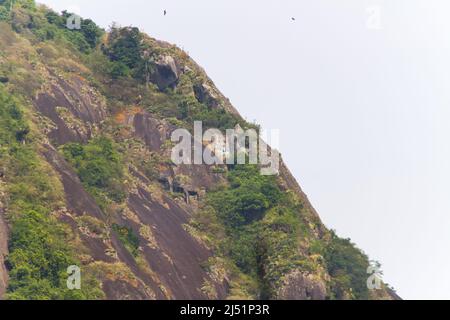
<point x="178" y="257"/>
<point x="166" y="73"/>
<point x="74" y="108"/>
<point x="152" y="131"/>
<point x="204" y="94"/>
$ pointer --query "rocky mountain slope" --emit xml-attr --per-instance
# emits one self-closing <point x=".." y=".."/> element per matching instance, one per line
<point x="86" y="179"/>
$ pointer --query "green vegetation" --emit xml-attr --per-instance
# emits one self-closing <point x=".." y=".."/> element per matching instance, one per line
<point x="4" y="14"/>
<point x="130" y="54"/>
<point x="261" y="225"/>
<point x="128" y="237"/>
<point x="100" y="168"/>
<point x="348" y="267"/>
<point x="249" y="196"/>
<point x="39" y="250"/>
<point x="190" y="110"/>
<point x="125" y="46"/>
<point x="48" y="25"/>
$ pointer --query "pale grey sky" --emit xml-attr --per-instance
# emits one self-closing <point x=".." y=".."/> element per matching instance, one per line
<point x="364" y="114"/>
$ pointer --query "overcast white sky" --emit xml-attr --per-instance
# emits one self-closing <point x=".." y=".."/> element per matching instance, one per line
<point x="364" y="113"/>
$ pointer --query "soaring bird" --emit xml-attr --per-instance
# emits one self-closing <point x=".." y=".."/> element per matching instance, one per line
<point x="293" y="19"/>
<point x="165" y="12"/>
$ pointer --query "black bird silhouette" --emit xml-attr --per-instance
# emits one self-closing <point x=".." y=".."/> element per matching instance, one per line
<point x="165" y="12"/>
<point x="293" y="19"/>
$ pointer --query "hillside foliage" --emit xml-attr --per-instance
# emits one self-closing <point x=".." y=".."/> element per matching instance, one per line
<point x="39" y="250"/>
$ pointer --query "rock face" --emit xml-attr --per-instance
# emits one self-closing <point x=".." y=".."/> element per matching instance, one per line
<point x="173" y="255"/>
<point x="166" y="73"/>
<point x="204" y="94"/>
<point x="74" y="109"/>
<point x="301" y="286"/>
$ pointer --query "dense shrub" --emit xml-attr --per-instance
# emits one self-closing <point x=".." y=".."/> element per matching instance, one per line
<point x="348" y="267"/>
<point x="4" y="14"/>
<point x="99" y="166"/>
<point x="128" y="237"/>
<point x="125" y="46"/>
<point x="261" y="224"/>
<point x="249" y="195"/>
<point x="130" y="54"/>
<point x="91" y="32"/>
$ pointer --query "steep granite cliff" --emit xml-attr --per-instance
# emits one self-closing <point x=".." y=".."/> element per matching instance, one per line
<point x="86" y="179"/>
